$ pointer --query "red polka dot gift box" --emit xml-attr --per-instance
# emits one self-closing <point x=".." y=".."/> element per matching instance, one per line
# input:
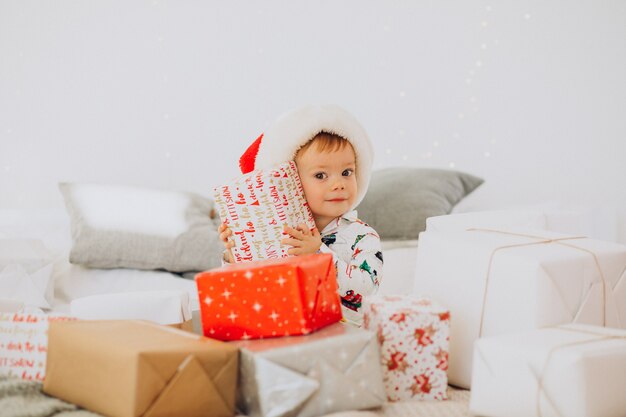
<point x="270" y="298"/>
<point x="413" y="334"/>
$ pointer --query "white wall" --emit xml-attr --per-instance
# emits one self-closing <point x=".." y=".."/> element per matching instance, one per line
<point x="529" y="95"/>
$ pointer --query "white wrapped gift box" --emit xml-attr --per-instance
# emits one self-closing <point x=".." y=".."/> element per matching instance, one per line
<point x="567" y="371"/>
<point x="496" y="282"/>
<point x="162" y="307"/>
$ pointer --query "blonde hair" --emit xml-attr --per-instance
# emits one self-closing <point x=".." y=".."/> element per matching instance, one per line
<point x="326" y="142"/>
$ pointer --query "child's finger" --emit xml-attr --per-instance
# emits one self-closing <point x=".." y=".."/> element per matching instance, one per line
<point x="291" y="242"/>
<point x="304" y="229"/>
<point x="294" y="232"/>
<point x="294" y="251"/>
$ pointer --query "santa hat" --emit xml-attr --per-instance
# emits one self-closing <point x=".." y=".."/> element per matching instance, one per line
<point x="294" y="129"/>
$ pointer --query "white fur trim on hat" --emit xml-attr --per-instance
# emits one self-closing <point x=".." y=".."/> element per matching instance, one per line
<point x="294" y="129"/>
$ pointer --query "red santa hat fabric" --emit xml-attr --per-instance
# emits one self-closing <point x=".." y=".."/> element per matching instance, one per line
<point x="294" y="129"/>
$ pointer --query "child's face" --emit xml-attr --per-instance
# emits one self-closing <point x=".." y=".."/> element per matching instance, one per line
<point x="329" y="181"/>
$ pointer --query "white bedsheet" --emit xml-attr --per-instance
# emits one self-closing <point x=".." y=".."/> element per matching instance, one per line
<point x="74" y="281"/>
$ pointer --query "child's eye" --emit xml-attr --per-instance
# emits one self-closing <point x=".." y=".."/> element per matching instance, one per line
<point x="347" y="172"/>
<point x="320" y="175"/>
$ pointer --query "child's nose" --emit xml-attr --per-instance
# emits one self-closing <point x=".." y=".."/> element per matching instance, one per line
<point x="339" y="185"/>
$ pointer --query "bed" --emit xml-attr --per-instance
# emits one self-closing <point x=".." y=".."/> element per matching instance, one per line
<point x="50" y="257"/>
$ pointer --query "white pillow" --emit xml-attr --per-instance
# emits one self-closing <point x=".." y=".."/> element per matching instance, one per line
<point x="117" y="226"/>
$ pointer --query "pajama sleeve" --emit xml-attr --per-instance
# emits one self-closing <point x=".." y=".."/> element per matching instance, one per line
<point x="359" y="269"/>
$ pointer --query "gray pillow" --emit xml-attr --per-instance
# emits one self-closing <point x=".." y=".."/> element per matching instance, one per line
<point x="399" y="200"/>
<point x="141" y="228"/>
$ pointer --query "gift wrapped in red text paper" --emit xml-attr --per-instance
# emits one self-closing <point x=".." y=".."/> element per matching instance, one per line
<point x="278" y="297"/>
<point x="24" y="343"/>
<point x="258" y="205"/>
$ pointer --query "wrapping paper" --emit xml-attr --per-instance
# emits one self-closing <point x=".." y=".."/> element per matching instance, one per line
<point x="413" y="334"/>
<point x="335" y="369"/>
<point x="279" y="297"/>
<point x="163" y="307"/>
<point x="492" y="285"/>
<point x="257" y="205"/>
<point x="127" y="368"/>
<point x="568" y="371"/>
<point x="24" y="344"/>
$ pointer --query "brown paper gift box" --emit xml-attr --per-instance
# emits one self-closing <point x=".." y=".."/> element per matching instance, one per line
<point x="128" y="368"/>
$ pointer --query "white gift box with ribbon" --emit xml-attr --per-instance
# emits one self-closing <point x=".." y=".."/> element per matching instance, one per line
<point x="497" y="282"/>
<point x="162" y="307"/>
<point x="566" y="371"/>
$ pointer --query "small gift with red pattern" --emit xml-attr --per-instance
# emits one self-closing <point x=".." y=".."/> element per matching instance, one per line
<point x="413" y="334"/>
<point x="277" y="297"/>
<point x="258" y="205"/>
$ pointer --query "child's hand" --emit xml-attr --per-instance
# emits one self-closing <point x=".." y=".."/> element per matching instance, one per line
<point x="303" y="240"/>
<point x="225" y="233"/>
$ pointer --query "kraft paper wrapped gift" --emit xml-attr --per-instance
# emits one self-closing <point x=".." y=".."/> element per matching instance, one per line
<point x="567" y="371"/>
<point x="413" y="334"/>
<point x="24" y="342"/>
<point x="127" y="368"/>
<point x="162" y="307"/>
<point x="256" y="207"/>
<point x="276" y="297"/>
<point x="497" y="282"/>
<point x="335" y="369"/>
